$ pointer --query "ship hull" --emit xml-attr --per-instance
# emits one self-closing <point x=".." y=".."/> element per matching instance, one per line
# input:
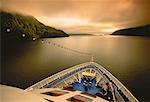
<point x="72" y="78"/>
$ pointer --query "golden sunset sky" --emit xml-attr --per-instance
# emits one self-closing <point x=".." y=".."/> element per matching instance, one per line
<point x="84" y="16"/>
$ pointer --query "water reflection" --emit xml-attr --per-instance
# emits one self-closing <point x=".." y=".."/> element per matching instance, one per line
<point x="127" y="58"/>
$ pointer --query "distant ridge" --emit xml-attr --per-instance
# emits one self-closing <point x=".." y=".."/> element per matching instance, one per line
<point x="81" y="34"/>
<point x="15" y="26"/>
<point x="135" y="31"/>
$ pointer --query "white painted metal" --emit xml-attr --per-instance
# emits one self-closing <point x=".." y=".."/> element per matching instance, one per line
<point x="78" y="67"/>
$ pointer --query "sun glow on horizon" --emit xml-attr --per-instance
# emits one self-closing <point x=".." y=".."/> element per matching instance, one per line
<point x="62" y="21"/>
<point x="77" y="25"/>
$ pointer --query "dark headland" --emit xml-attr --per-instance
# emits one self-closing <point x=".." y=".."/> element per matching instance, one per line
<point x="15" y="26"/>
<point x="18" y="31"/>
<point x="135" y="31"/>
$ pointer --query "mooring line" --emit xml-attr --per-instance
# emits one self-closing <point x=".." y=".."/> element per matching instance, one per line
<point x="66" y="48"/>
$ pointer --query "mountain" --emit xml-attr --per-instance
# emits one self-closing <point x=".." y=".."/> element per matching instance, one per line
<point x="81" y="34"/>
<point x="15" y="26"/>
<point x="136" y="31"/>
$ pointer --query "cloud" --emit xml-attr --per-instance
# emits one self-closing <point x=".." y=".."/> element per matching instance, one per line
<point x="98" y="13"/>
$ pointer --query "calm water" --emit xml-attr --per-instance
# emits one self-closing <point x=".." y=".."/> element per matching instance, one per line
<point x="127" y="58"/>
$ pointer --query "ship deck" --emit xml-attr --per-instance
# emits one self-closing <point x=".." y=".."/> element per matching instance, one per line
<point x="73" y="78"/>
<point x="66" y="95"/>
